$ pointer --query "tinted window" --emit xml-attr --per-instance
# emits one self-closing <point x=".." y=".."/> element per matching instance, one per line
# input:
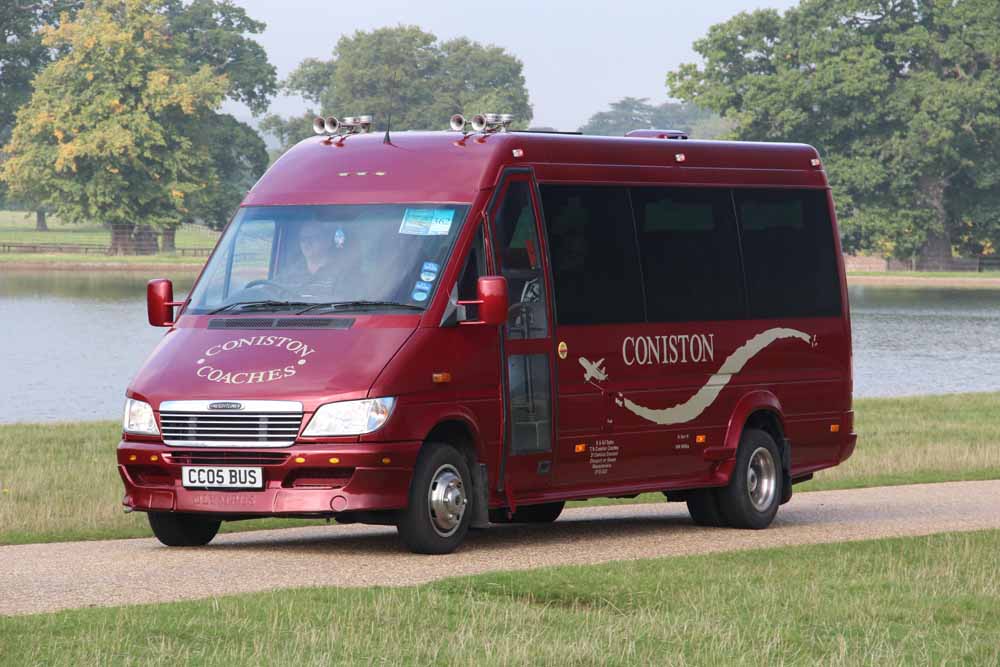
<point x="594" y="257"/>
<point x="788" y="252"/>
<point x="690" y="254"/>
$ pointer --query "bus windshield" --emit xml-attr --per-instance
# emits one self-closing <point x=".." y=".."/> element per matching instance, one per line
<point x="339" y="256"/>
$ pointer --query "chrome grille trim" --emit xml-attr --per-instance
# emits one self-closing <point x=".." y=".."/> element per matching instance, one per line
<point x="257" y="424"/>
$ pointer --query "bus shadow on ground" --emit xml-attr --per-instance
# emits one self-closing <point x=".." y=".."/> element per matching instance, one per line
<point x="354" y="540"/>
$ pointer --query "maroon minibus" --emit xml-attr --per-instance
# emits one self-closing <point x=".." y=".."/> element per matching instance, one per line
<point x="440" y="330"/>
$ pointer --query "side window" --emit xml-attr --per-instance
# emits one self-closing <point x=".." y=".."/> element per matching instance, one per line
<point x="521" y="263"/>
<point x="690" y="254"/>
<point x="788" y="252"/>
<point x="594" y="257"/>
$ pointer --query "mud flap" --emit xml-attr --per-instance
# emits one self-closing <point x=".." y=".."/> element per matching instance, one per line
<point x="786" y="470"/>
<point x="480" y="512"/>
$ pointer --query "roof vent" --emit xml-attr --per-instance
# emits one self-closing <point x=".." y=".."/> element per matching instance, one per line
<point x="658" y="134"/>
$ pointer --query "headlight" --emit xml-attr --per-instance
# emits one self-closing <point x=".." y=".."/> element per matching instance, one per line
<point x="350" y="417"/>
<point x="139" y="418"/>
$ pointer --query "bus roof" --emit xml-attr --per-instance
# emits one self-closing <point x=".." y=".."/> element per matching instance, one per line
<point x="444" y="167"/>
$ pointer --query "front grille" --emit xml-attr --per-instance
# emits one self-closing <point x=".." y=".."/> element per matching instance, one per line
<point x="209" y="458"/>
<point x="230" y="428"/>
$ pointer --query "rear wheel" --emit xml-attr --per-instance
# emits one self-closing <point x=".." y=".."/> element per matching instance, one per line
<point x="183" y="530"/>
<point x="754" y="492"/>
<point x="435" y="520"/>
<point x="704" y="508"/>
<point x="544" y="513"/>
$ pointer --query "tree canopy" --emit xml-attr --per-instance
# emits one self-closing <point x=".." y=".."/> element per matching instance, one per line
<point x="102" y="137"/>
<point x="403" y="69"/>
<point x="902" y="98"/>
<point x="631" y="113"/>
<point x="123" y="127"/>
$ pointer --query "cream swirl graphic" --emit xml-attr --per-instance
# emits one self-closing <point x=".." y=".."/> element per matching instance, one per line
<point x="704" y="397"/>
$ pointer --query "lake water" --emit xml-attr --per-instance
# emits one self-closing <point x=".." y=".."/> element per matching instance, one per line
<point x="70" y="342"/>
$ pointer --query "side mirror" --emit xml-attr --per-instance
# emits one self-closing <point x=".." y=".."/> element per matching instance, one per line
<point x="160" y="302"/>
<point x="492" y="301"/>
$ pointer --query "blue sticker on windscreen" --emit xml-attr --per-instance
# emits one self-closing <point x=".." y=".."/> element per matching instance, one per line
<point x="427" y="221"/>
<point x="419" y="296"/>
<point x="422" y="286"/>
<point x="429" y="271"/>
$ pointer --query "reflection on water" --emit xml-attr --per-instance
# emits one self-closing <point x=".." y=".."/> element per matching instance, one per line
<point x="70" y="342"/>
<point x="925" y="341"/>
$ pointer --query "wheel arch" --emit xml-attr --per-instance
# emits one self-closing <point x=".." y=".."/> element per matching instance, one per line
<point x="757" y="409"/>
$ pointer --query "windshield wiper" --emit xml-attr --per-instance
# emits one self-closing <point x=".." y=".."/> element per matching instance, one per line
<point x="259" y="305"/>
<point x="344" y="305"/>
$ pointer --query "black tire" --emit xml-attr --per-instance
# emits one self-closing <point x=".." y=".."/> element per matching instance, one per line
<point x="544" y="513"/>
<point x="183" y="530"/>
<point x="738" y="501"/>
<point x="703" y="504"/>
<point x="423" y="530"/>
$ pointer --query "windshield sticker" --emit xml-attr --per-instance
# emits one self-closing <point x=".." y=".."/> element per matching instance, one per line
<point x="419" y="296"/>
<point x="429" y="271"/>
<point x="426" y="221"/>
<point x="422" y="286"/>
<point x="339" y="237"/>
<point x="210" y="368"/>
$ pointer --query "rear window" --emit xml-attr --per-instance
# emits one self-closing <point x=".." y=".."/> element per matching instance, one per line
<point x="788" y="253"/>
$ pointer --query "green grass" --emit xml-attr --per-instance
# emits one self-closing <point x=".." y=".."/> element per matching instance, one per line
<point x="926" y="600"/>
<point x="60" y="481"/>
<point x="19" y="227"/>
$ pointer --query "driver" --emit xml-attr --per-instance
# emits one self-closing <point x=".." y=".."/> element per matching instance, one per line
<point x="327" y="260"/>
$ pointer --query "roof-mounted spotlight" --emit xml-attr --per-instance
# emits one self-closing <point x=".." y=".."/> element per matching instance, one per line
<point x="458" y="123"/>
<point x="492" y="122"/>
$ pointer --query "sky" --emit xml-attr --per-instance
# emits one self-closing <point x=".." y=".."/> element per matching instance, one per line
<point x="578" y="56"/>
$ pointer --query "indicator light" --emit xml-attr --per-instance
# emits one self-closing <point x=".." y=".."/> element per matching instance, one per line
<point x="386" y="460"/>
<point x="441" y="378"/>
<point x="814" y="162"/>
<point x="700" y="439"/>
<point x="834" y="428"/>
<point x="334" y="460"/>
<point x="582" y="447"/>
<point x="300" y="459"/>
<point x="132" y="457"/>
<point x="154" y="457"/>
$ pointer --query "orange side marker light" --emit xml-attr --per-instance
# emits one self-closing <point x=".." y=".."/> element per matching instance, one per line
<point x="699" y="439"/>
<point x="441" y="378"/>
<point x="154" y="457"/>
<point x="300" y="459"/>
<point x="834" y="428"/>
<point x="582" y="447"/>
<point x="132" y="457"/>
<point x="334" y="460"/>
<point x="386" y="460"/>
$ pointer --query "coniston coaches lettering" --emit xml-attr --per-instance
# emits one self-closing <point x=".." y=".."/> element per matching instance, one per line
<point x="677" y="349"/>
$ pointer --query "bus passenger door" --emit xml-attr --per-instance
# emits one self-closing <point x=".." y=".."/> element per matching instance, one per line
<point x="527" y="341"/>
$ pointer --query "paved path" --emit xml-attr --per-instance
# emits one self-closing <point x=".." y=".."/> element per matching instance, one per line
<point x="47" y="577"/>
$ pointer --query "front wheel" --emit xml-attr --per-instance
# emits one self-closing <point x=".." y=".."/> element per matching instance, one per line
<point x="754" y="492"/>
<point x="436" y="519"/>
<point x="183" y="530"/>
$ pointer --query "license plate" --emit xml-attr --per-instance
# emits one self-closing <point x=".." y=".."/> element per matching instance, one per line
<point x="222" y="477"/>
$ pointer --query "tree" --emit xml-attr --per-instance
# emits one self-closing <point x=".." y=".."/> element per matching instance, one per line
<point x="408" y="71"/>
<point x="102" y="136"/>
<point x="631" y="113"/>
<point x="902" y="98"/>
<point x="22" y="55"/>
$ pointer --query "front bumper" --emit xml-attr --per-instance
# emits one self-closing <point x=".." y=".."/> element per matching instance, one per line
<point x="365" y="477"/>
